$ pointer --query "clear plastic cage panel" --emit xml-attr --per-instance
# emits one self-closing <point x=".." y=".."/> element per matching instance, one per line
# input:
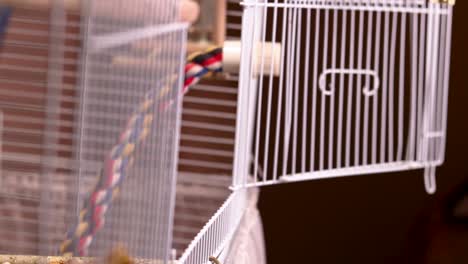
<point x="94" y="93"/>
<point x="363" y="88"/>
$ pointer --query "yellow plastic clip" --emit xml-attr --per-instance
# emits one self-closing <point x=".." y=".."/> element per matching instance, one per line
<point x="214" y="260"/>
<point x="449" y="2"/>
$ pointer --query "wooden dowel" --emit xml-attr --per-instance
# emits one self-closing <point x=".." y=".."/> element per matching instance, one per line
<point x="219" y="31"/>
<point x="71" y="5"/>
<point x="13" y="259"/>
<point x="188" y="12"/>
<point x="18" y="259"/>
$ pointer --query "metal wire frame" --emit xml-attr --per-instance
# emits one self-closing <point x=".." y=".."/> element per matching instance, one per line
<point x="363" y="89"/>
<point x="214" y="238"/>
<point x="57" y="126"/>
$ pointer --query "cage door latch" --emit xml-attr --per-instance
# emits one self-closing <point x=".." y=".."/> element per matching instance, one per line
<point x="366" y="72"/>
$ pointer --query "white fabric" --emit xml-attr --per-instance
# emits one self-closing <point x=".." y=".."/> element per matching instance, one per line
<point x="248" y="245"/>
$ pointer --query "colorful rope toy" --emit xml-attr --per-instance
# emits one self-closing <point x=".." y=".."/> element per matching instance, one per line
<point x="201" y="64"/>
<point x="117" y="163"/>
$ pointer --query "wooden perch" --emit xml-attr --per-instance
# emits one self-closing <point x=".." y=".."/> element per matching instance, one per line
<point x="4" y="259"/>
<point x="12" y="259"/>
<point x="136" y="9"/>
<point x="72" y="5"/>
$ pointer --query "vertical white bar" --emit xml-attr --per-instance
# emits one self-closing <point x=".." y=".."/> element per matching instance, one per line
<point x="401" y="92"/>
<point x="314" y="90"/>
<point x="383" y="116"/>
<point x="280" y="96"/>
<point x="323" y="98"/>
<point x="331" y="123"/>
<point x="448" y="45"/>
<point x="176" y="145"/>
<point x="391" y="87"/>
<point x="239" y="149"/>
<point x="414" y="84"/>
<point x="429" y="146"/>
<point x="352" y="33"/>
<point x="295" y="84"/>
<point x="296" y="89"/>
<point x="252" y="92"/>
<point x="295" y="81"/>
<point x="376" y="98"/>
<point x="339" y="130"/>
<point x="270" y="90"/>
<point x="357" y="128"/>
<point x="260" y="93"/>
<point x="427" y="114"/>
<point x="289" y="88"/>
<point x="421" y="83"/>
<point x="243" y="140"/>
<point x="434" y="74"/>
<point x="305" y="108"/>
<point x="365" y="132"/>
<point x="288" y="103"/>
<point x="440" y="86"/>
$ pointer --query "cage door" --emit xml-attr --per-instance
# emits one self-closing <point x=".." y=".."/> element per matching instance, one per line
<point x="362" y="89"/>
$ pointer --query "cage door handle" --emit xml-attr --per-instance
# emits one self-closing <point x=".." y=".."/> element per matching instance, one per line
<point x="430" y="179"/>
<point x="366" y="90"/>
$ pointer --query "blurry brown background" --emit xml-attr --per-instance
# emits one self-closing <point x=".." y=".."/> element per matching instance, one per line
<point x="371" y="218"/>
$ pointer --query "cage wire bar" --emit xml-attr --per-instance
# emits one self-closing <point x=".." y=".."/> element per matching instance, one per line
<point x="363" y="88"/>
<point x="38" y="72"/>
<point x="69" y="91"/>
<point x="142" y="217"/>
<point x="214" y="238"/>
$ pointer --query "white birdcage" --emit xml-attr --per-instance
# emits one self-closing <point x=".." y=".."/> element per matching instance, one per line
<point x="327" y="88"/>
<point x="362" y="88"/>
<point x="331" y="88"/>
<point x="73" y="73"/>
<point x="72" y="77"/>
